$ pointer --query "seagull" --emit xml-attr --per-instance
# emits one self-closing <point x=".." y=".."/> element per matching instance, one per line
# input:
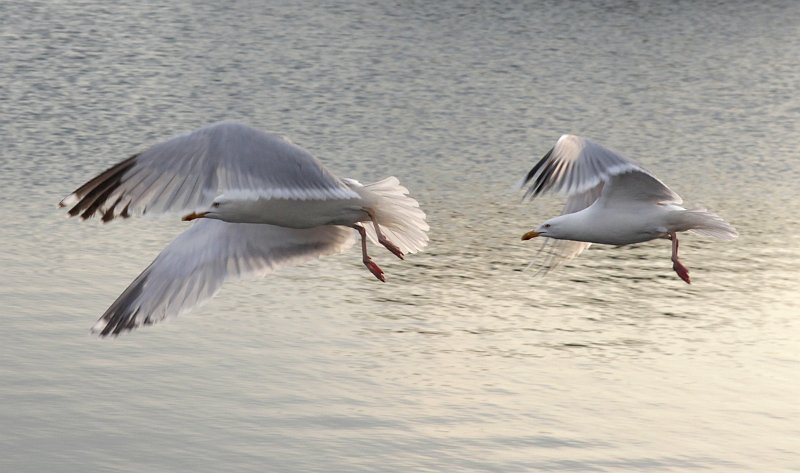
<point x="611" y="200"/>
<point x="256" y="201"/>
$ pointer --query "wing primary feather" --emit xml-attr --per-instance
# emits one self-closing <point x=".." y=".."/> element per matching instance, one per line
<point x="155" y="188"/>
<point x="187" y="198"/>
<point x="571" y="183"/>
<point x="100" y="199"/>
<point x="138" y="190"/>
<point x="89" y="195"/>
<point x="176" y="194"/>
<point x="109" y="214"/>
<point x="559" y="173"/>
<point x="118" y="168"/>
<point x="542" y="182"/>
<point x="122" y="313"/>
<point x="124" y="213"/>
<point x="536" y="167"/>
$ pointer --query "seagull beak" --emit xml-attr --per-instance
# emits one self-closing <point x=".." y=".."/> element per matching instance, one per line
<point x="530" y="234"/>
<point x="194" y="215"/>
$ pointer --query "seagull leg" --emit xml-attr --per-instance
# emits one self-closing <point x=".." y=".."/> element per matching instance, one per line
<point x="683" y="271"/>
<point x="371" y="266"/>
<point x="382" y="238"/>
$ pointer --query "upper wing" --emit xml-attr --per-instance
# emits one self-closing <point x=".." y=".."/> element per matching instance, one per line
<point x="186" y="172"/>
<point x="583" y="169"/>
<point x="191" y="269"/>
<point x="637" y="187"/>
<point x="575" y="165"/>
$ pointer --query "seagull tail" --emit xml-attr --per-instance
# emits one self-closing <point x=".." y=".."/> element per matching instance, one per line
<point x="705" y="223"/>
<point x="398" y="214"/>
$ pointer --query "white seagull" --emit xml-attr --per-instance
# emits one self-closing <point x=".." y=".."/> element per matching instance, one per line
<point x="259" y="202"/>
<point x="611" y="200"/>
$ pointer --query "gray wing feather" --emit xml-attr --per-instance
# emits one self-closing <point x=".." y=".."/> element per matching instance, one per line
<point x="186" y="172"/>
<point x="636" y="188"/>
<point x="191" y="269"/>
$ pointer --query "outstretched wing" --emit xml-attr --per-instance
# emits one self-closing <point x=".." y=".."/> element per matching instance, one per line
<point x="186" y="172"/>
<point x="191" y="269"/>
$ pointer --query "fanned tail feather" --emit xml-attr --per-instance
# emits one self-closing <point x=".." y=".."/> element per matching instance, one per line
<point x="398" y="214"/>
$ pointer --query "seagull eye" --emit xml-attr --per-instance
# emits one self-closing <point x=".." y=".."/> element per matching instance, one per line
<point x="546" y="225"/>
<point x="215" y="204"/>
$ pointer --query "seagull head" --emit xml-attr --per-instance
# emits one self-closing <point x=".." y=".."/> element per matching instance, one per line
<point x="216" y="210"/>
<point x="550" y="228"/>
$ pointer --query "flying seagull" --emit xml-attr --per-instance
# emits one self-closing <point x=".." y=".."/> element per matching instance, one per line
<point x="257" y="202"/>
<point x="611" y="200"/>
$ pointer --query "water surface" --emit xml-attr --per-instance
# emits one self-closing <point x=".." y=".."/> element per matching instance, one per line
<point x="462" y="361"/>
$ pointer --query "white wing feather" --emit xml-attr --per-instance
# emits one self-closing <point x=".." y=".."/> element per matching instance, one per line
<point x="191" y="269"/>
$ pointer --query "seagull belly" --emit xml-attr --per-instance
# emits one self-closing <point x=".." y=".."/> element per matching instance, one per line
<point x="302" y="213"/>
<point x="622" y="226"/>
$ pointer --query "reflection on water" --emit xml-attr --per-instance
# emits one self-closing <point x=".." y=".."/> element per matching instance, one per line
<point x="462" y="361"/>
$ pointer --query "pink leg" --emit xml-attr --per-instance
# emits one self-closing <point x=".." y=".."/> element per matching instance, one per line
<point x="371" y="266"/>
<point x="683" y="271"/>
<point x="383" y="240"/>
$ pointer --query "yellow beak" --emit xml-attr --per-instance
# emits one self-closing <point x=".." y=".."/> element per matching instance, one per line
<point x="193" y="216"/>
<point x="530" y="234"/>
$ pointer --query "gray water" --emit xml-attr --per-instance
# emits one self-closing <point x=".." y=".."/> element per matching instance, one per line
<point x="462" y="361"/>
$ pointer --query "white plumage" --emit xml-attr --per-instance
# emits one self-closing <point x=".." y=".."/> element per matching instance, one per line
<point x="261" y="203"/>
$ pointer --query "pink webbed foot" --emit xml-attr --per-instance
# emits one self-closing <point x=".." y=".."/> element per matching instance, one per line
<point x="371" y="266"/>
<point x="682" y="271"/>
<point x="374" y="269"/>
<point x="392" y="247"/>
<point x="382" y="238"/>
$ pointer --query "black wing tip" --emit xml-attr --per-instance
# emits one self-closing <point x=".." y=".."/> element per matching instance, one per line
<point x="93" y="195"/>
<point x="539" y="176"/>
<point x="74" y="211"/>
<point x="102" y="333"/>
<point x="117" y="323"/>
<point x="121" y="316"/>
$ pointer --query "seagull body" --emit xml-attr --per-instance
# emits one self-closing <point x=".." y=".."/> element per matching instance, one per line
<point x="259" y="202"/>
<point x="611" y="200"/>
<point x="287" y="212"/>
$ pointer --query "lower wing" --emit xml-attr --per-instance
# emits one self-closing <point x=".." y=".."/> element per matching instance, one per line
<point x="191" y="269"/>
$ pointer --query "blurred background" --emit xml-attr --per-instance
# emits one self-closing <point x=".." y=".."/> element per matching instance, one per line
<point x="462" y="361"/>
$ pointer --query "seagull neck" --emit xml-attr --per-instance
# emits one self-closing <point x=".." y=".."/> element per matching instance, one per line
<point x="572" y="227"/>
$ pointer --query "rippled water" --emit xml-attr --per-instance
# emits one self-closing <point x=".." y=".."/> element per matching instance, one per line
<point x="461" y="361"/>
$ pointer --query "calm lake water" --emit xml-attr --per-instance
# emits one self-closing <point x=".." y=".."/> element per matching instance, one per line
<point x="462" y="361"/>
